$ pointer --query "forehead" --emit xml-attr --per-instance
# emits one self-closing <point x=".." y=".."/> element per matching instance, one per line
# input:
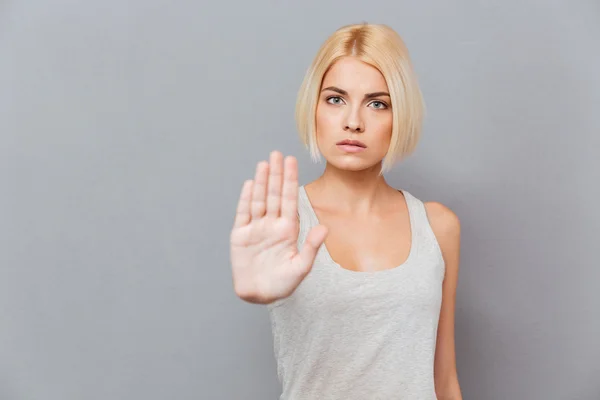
<point x="353" y="75"/>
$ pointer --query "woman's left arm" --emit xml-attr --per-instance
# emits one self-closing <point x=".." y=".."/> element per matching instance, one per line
<point x="446" y="227"/>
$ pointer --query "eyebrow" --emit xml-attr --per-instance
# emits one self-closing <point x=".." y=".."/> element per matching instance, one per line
<point x="367" y="96"/>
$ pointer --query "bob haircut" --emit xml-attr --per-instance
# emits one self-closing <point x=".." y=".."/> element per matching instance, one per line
<point x="381" y="47"/>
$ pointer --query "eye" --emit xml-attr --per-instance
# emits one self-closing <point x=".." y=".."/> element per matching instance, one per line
<point x="379" y="105"/>
<point x="335" y="100"/>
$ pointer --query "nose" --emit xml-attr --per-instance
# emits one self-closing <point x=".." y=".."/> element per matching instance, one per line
<point x="353" y="121"/>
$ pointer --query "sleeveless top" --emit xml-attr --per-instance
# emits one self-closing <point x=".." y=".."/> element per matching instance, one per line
<point x="352" y="335"/>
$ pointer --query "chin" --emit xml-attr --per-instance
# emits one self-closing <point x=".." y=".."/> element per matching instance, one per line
<point x="352" y="164"/>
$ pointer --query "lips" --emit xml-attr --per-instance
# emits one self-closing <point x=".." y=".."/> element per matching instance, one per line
<point x="349" y="142"/>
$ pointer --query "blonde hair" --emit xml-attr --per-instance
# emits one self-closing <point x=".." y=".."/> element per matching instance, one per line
<point x="380" y="46"/>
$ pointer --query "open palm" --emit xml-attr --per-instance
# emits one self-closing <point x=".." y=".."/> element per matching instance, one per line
<point x="265" y="260"/>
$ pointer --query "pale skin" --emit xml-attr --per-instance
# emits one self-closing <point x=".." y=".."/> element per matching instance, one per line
<point x="364" y="221"/>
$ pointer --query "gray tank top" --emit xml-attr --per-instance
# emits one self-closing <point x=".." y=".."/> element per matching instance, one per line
<point x="348" y="335"/>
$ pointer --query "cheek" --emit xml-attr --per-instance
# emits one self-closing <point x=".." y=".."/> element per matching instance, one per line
<point x="382" y="133"/>
<point x="328" y="119"/>
<point x="382" y="126"/>
<point x="323" y="120"/>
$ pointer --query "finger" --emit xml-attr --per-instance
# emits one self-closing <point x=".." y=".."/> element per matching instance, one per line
<point x="314" y="239"/>
<point x="242" y="215"/>
<point x="274" y="185"/>
<point x="289" y="200"/>
<point x="259" y="190"/>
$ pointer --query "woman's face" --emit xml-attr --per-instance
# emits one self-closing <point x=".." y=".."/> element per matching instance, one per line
<point x="354" y="104"/>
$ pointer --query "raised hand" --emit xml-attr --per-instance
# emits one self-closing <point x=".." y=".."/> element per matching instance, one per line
<point x="265" y="260"/>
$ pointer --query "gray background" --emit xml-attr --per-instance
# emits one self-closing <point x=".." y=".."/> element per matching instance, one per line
<point x="127" y="129"/>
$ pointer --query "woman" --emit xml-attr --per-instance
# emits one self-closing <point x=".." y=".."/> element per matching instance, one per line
<point x="359" y="278"/>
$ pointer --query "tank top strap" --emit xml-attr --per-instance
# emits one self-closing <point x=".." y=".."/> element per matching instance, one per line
<point x="416" y="211"/>
<point x="425" y="240"/>
<point x="306" y="215"/>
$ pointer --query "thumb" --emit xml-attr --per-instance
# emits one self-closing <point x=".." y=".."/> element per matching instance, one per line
<point x="314" y="240"/>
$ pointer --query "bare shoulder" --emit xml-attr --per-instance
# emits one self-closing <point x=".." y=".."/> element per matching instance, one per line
<point x="442" y="219"/>
<point x="446" y="227"/>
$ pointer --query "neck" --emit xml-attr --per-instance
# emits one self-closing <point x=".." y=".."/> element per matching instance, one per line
<point x="350" y="191"/>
